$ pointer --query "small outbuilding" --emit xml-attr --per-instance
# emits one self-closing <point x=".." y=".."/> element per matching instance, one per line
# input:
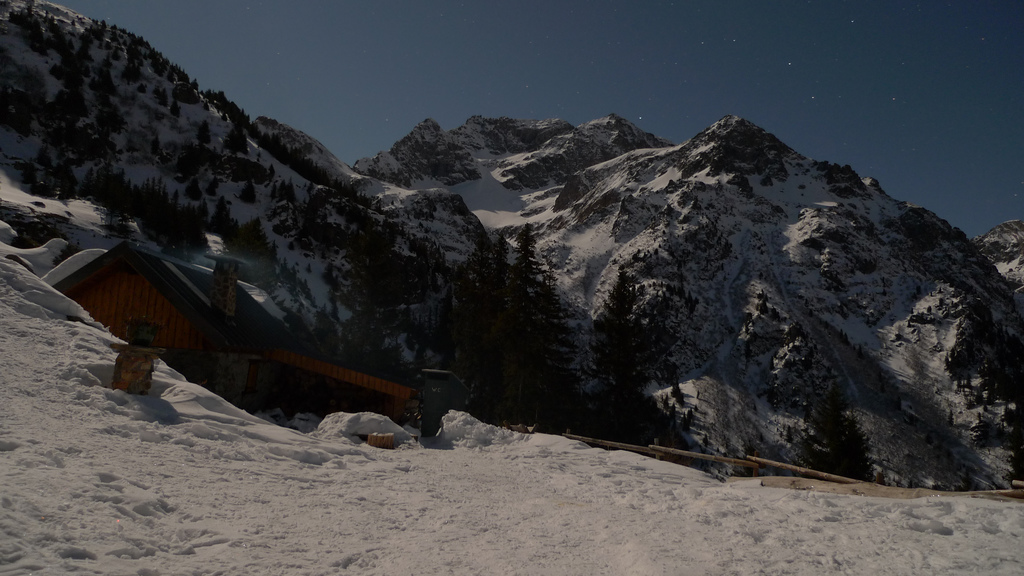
<point x="216" y="333"/>
<point x="442" y="391"/>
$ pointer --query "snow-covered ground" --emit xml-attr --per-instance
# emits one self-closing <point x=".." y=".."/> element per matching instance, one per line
<point x="95" y="481"/>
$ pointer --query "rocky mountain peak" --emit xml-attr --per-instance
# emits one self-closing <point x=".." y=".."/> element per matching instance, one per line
<point x="1004" y="246"/>
<point x="498" y="136"/>
<point x="425" y="157"/>
<point x="621" y="133"/>
<point x="737" y="146"/>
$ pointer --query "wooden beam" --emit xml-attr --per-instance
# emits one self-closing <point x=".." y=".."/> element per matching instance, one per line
<point x="1016" y="493"/>
<point x="612" y="445"/>
<point x="1017" y="483"/>
<point x="805" y="471"/>
<point x="700" y="456"/>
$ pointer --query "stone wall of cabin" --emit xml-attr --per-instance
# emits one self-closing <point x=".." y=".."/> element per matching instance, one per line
<point x="227" y="374"/>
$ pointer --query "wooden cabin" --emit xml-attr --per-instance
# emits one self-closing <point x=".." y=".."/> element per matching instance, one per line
<point x="218" y="335"/>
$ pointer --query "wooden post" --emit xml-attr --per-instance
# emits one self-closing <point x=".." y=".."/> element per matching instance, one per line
<point x="386" y="441"/>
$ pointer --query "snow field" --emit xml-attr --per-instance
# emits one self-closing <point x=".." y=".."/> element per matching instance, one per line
<point x="95" y="481"/>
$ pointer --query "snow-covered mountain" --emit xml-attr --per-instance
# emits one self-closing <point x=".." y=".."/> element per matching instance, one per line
<point x="1004" y="246"/>
<point x="767" y="276"/>
<point x="520" y="154"/>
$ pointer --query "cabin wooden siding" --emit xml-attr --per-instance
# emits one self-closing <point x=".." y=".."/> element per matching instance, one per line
<point x="244" y="369"/>
<point x="118" y="293"/>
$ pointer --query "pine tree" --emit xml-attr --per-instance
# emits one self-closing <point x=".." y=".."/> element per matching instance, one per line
<point x="540" y="386"/>
<point x="221" y="221"/>
<point x="1015" y="445"/>
<point x="203" y="135"/>
<point x="192" y="190"/>
<point x="480" y="288"/>
<point x="835" y="442"/>
<point x="373" y="295"/>
<point x="248" y="194"/>
<point x="236" y="140"/>
<point x="211" y="188"/>
<point x="249" y="242"/>
<point x="620" y="366"/>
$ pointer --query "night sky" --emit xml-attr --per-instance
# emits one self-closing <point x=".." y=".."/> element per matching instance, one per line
<point x="927" y="97"/>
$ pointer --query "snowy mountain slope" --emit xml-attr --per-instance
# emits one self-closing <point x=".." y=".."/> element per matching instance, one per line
<point x="309" y="148"/>
<point x="96" y="481"/>
<point x="433" y="216"/>
<point x="102" y="138"/>
<point x="769" y="277"/>
<point x="1004" y="245"/>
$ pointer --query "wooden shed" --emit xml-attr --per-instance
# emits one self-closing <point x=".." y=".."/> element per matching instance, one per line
<point x="217" y="334"/>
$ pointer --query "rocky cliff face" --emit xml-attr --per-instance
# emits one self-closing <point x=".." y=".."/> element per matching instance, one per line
<point x="770" y="277"/>
<point x="520" y="154"/>
<point x="1004" y="246"/>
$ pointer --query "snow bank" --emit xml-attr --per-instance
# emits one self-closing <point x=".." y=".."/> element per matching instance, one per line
<point x="304" y="422"/>
<point x="351" y="426"/>
<point x="97" y="481"/>
<point x="40" y="259"/>
<point x="459" y="429"/>
<point x="7" y="233"/>
<point x="72" y="264"/>
<point x="37" y="299"/>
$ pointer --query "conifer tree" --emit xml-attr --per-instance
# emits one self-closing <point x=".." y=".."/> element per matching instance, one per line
<point x="480" y="288"/>
<point x="373" y="295"/>
<point x="192" y="190"/>
<point x="236" y="140"/>
<point x="249" y="242"/>
<point x="540" y="386"/>
<point x="248" y="194"/>
<point x="203" y="135"/>
<point x="211" y="188"/>
<point x="221" y="221"/>
<point x="1015" y="446"/>
<point x="619" y="348"/>
<point x="835" y="442"/>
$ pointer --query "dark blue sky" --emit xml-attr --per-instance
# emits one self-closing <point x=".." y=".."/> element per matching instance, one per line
<point x="927" y="96"/>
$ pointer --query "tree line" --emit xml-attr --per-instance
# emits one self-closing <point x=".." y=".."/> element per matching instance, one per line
<point x="516" y="348"/>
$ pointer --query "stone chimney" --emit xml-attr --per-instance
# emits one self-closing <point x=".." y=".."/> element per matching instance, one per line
<point x="225" y="282"/>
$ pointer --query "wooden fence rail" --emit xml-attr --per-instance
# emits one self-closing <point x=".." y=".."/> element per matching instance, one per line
<point x="711" y="457"/>
<point x="659" y="451"/>
<point x="804" y="471"/>
<point x="610" y="444"/>
<point x="757" y="462"/>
